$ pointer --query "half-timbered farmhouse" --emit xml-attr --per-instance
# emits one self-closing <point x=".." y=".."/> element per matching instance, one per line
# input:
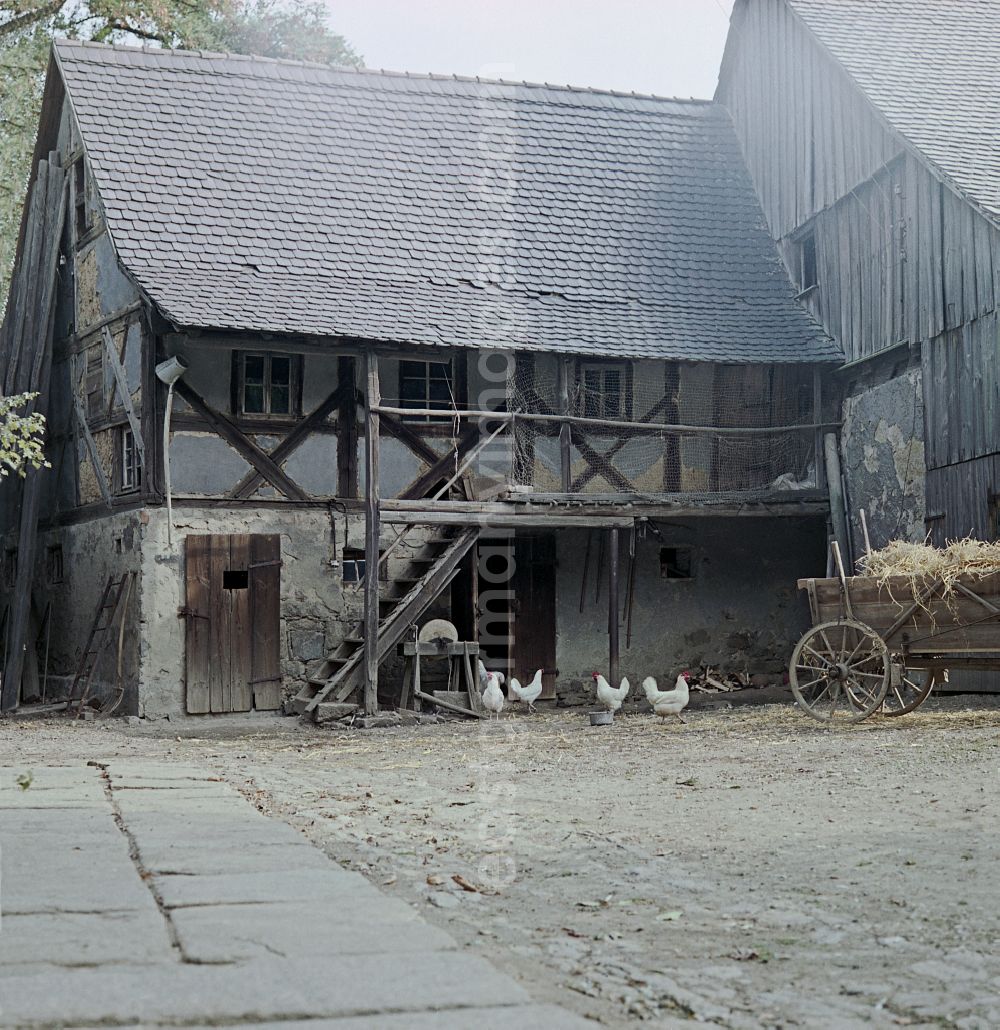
<point x="326" y="353"/>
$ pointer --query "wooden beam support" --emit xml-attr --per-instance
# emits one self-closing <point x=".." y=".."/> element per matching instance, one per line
<point x="565" y="430"/>
<point x="613" y="607"/>
<point x="231" y="433"/>
<point x="347" y="429"/>
<point x="114" y="361"/>
<point x="372" y="532"/>
<point x="527" y="520"/>
<point x="297" y="436"/>
<point x="444" y="464"/>
<point x="404" y="434"/>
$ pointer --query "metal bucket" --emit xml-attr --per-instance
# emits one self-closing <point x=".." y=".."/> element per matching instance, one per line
<point x="602" y="718"/>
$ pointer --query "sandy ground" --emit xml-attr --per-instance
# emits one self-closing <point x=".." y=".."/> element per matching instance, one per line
<point x="749" y="869"/>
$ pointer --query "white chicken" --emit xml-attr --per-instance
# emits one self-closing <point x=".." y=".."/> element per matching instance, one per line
<point x="529" y="694"/>
<point x="483" y="674"/>
<point x="493" y="695"/>
<point x="608" y="696"/>
<point x="668" y="702"/>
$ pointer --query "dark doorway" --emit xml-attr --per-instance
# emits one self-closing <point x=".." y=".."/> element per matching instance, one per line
<point x="535" y="608"/>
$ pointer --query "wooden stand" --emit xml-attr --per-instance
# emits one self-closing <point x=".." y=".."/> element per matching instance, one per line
<point x="459" y="656"/>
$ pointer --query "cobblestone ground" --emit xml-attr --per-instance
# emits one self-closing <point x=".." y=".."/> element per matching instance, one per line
<point x="750" y="869"/>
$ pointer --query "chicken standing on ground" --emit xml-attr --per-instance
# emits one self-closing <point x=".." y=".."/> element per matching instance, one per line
<point x="608" y="696"/>
<point x="668" y="702"/>
<point x="493" y="695"/>
<point x="529" y="694"/>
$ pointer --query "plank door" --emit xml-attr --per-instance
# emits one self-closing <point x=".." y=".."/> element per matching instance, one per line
<point x="233" y="613"/>
<point x="535" y="609"/>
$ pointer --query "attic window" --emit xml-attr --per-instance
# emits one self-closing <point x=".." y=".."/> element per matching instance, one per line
<point x="604" y="390"/>
<point x="808" y="271"/>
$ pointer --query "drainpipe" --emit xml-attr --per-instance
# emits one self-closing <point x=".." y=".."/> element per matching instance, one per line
<point x="169" y="372"/>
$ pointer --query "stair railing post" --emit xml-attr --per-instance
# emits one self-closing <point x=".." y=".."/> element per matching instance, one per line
<point x="613" y="606"/>
<point x="372" y="530"/>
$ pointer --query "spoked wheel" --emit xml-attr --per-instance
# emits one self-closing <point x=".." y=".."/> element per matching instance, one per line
<point x="840" y="671"/>
<point x="908" y="689"/>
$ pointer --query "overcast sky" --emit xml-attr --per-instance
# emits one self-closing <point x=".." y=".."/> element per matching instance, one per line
<point x="668" y="47"/>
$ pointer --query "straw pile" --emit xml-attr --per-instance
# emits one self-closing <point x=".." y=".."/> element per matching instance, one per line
<point x="972" y="558"/>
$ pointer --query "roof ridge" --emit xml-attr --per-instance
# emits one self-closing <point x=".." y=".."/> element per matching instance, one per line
<point x="380" y="72"/>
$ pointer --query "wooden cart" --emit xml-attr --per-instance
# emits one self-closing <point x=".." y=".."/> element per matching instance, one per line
<point x="882" y="646"/>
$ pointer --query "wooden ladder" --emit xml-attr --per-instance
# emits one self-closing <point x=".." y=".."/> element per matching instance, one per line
<point x="99" y="636"/>
<point x="411" y="595"/>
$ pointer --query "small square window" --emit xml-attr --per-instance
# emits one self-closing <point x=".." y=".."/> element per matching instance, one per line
<point x="808" y="268"/>
<point x="54" y="564"/>
<point x="235" y="579"/>
<point x="129" y="466"/>
<point x="425" y="384"/>
<point x="676" y="562"/>
<point x="604" y="390"/>
<point x="353" y="565"/>
<point x="266" y="384"/>
<point x="84" y="219"/>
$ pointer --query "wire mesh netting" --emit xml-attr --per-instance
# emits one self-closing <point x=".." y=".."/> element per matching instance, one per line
<point x="734" y="428"/>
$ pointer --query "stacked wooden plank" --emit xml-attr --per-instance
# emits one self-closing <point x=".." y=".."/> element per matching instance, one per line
<point x="26" y="366"/>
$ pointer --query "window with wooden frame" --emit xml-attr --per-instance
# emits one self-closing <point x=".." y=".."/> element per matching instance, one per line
<point x="353" y="566"/>
<point x="267" y="384"/>
<point x="426" y="384"/>
<point x="129" y="466"/>
<point x="605" y="390"/>
<point x="808" y="267"/>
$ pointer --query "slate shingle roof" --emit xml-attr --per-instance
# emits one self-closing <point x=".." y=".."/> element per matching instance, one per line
<point x="932" y="67"/>
<point x="250" y="194"/>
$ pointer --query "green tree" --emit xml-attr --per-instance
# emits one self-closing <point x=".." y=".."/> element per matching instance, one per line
<point x="21" y="436"/>
<point x="272" y="28"/>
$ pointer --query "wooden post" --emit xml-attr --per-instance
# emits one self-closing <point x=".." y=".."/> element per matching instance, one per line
<point x="347" y="431"/>
<point x="613" y="607"/>
<point x="372" y="527"/>
<point x="835" y="484"/>
<point x="565" y="432"/>
<point x="817" y="419"/>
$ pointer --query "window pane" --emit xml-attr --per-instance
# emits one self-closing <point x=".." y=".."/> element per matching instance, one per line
<point x="439" y="393"/>
<point x="411" y="390"/>
<point x="281" y="400"/>
<point x="439" y="370"/>
<point x="281" y="371"/>
<point x="253" y="398"/>
<point x="253" y="369"/>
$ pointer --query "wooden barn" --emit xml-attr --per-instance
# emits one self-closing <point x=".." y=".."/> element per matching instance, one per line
<point x="871" y="129"/>
<point x="326" y="353"/>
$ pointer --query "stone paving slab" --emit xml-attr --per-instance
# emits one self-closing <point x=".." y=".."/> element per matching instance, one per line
<point x="261" y="991"/>
<point x="518" y="1017"/>
<point x="74" y="938"/>
<point x="257" y="926"/>
<point x="311" y="885"/>
<point x="229" y="933"/>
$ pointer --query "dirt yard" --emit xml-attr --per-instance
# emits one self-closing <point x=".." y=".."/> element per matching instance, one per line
<point x="749" y="869"/>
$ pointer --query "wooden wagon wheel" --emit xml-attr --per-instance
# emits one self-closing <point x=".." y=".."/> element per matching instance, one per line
<point x="908" y="689"/>
<point x="840" y="671"/>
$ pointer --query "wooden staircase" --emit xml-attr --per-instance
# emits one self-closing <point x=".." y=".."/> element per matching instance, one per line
<point x="405" y="598"/>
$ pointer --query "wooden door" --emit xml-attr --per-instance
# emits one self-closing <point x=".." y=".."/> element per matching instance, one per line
<point x="233" y="613"/>
<point x="535" y="608"/>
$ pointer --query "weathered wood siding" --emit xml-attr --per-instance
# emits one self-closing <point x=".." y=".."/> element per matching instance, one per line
<point x="962" y="393"/>
<point x="900" y="259"/>
<point x="808" y="134"/>
<point x="959" y="497"/>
